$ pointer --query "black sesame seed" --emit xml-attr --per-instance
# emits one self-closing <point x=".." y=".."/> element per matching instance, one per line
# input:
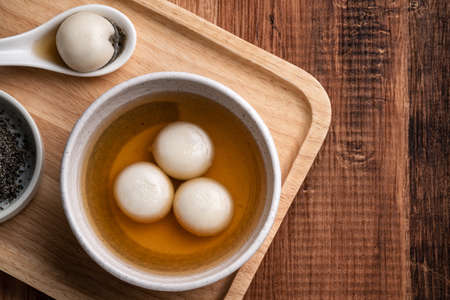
<point x="12" y="161"/>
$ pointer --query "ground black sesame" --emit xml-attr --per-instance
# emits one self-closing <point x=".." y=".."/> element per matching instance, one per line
<point x="12" y="162"/>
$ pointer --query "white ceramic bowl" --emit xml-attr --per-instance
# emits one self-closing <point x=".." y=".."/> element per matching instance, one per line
<point x="32" y="175"/>
<point x="123" y="96"/>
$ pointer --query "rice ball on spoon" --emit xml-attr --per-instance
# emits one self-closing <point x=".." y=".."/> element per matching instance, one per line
<point x="87" y="41"/>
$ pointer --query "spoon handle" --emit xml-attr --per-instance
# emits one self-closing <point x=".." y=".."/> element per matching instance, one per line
<point x="15" y="58"/>
<point x="17" y="50"/>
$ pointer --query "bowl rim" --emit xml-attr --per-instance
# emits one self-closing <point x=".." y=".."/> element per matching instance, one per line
<point x="259" y="236"/>
<point x="24" y="199"/>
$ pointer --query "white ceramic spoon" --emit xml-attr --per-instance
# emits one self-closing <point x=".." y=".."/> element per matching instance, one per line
<point x="19" y="50"/>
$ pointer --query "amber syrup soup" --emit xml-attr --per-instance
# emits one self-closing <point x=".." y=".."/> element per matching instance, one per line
<point x="164" y="246"/>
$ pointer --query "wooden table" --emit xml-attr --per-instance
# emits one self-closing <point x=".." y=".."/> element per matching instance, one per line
<point x="372" y="217"/>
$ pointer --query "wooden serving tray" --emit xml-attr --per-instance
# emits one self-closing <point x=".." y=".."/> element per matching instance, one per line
<point x="37" y="246"/>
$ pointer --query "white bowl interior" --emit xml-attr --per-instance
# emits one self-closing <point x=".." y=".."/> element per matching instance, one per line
<point x="104" y="111"/>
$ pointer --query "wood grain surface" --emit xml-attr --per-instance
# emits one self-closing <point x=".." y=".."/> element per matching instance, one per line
<point x="371" y="220"/>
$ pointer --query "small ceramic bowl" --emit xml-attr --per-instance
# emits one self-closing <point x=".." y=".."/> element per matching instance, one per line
<point x="21" y="123"/>
<point x="123" y="98"/>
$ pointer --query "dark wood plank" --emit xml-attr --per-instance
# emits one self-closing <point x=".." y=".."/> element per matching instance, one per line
<point x="429" y="142"/>
<point x="344" y="235"/>
<point x="13" y="289"/>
